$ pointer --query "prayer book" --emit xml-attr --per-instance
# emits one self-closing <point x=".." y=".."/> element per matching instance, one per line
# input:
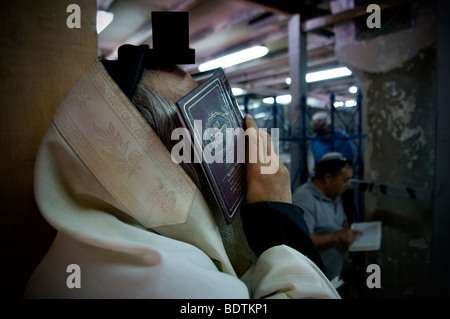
<point x="370" y="239"/>
<point x="216" y="127"/>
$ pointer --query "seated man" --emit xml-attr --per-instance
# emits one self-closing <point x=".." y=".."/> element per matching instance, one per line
<point x="320" y="199"/>
<point x="139" y="225"/>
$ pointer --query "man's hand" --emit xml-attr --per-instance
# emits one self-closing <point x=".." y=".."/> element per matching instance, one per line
<point x="272" y="186"/>
<point x="346" y="236"/>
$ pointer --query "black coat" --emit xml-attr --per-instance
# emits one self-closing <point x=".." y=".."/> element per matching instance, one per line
<point x="268" y="224"/>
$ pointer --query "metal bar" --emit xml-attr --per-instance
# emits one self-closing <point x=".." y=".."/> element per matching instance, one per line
<point x="332" y="99"/>
<point x="274" y="111"/>
<point x="298" y="68"/>
<point x="360" y="159"/>
<point x="246" y="100"/>
<point x="304" y="172"/>
<point x="298" y="139"/>
<point x="392" y="190"/>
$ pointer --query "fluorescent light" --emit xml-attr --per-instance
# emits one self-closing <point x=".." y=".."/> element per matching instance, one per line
<point x="237" y="91"/>
<point x="313" y="101"/>
<point x="327" y="74"/>
<point x="268" y="100"/>
<point x="353" y="89"/>
<point x="350" y="103"/>
<point x="281" y="99"/>
<point x="104" y="18"/>
<point x="259" y="115"/>
<point x="284" y="99"/>
<point x="235" y="58"/>
<point x="253" y="105"/>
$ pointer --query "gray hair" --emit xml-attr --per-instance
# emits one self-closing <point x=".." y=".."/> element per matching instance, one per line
<point x="162" y="116"/>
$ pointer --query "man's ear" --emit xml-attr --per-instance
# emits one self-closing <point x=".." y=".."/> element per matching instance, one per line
<point x="327" y="177"/>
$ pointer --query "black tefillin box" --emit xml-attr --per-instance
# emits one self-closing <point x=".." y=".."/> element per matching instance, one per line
<point x="171" y="38"/>
<point x="170" y="47"/>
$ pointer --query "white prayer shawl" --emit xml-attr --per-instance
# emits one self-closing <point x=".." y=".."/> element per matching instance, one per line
<point x="132" y="220"/>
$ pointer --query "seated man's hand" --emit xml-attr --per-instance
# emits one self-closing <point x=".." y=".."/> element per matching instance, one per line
<point x="346" y="236"/>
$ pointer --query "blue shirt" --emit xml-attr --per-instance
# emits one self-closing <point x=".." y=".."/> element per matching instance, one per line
<point x="342" y="144"/>
<point x="322" y="215"/>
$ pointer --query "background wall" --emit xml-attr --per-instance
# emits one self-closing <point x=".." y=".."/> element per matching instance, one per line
<point x="398" y="75"/>
<point x="40" y="60"/>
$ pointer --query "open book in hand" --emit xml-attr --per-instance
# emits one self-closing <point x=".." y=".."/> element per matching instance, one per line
<point x="370" y="239"/>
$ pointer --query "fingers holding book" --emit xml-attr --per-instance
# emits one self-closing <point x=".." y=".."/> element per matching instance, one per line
<point x="267" y="177"/>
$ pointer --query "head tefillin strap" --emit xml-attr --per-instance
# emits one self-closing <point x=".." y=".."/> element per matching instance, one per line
<point x="170" y="46"/>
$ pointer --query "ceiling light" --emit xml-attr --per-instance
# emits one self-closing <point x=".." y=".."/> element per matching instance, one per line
<point x="350" y="103"/>
<point x="327" y="74"/>
<point x="259" y="115"/>
<point x="237" y="91"/>
<point x="268" y="100"/>
<point x="284" y="99"/>
<point x="104" y="18"/>
<point x="281" y="99"/>
<point x="353" y="89"/>
<point x="235" y="58"/>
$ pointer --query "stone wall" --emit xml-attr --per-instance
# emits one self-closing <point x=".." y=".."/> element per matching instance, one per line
<point x="397" y="72"/>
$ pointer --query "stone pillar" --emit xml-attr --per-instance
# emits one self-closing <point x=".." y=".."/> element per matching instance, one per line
<point x="297" y="66"/>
